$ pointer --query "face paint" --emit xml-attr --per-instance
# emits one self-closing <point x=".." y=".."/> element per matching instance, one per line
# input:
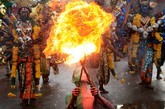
<point x="24" y="14"/>
<point x="144" y="7"/>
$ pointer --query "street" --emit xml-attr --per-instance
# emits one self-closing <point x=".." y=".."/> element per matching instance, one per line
<point x="123" y="92"/>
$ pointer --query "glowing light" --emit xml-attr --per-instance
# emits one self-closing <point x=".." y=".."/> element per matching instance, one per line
<point x="77" y="31"/>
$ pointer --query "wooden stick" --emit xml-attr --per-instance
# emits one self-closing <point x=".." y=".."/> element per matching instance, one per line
<point x="127" y="12"/>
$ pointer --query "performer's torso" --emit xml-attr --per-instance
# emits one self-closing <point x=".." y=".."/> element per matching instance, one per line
<point x="24" y="31"/>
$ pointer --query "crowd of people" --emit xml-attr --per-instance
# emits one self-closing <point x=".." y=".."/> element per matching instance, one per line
<point x="23" y="38"/>
<point x="24" y="30"/>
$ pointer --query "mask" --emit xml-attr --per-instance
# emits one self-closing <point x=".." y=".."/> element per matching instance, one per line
<point x="24" y="14"/>
<point x="144" y="7"/>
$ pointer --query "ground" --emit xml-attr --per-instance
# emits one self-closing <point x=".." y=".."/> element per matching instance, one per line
<point x="124" y="92"/>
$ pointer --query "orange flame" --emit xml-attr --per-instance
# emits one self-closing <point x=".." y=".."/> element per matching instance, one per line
<point x="78" y="31"/>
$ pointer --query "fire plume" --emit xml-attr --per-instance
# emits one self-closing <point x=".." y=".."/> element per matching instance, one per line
<point x="77" y="31"/>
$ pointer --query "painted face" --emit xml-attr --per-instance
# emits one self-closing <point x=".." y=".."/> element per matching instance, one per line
<point x="24" y="14"/>
<point x="144" y="7"/>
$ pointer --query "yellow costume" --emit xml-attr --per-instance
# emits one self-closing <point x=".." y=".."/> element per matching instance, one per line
<point x="26" y="56"/>
<point x="134" y="44"/>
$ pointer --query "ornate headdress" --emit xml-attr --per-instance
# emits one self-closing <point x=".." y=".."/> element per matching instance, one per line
<point x="144" y="7"/>
<point x="144" y="2"/>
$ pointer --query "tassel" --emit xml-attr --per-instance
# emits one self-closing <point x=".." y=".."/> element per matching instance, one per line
<point x="37" y="68"/>
<point x="36" y="32"/>
<point x="14" y="60"/>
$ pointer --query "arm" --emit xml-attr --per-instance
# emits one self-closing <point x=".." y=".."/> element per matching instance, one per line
<point x="110" y="46"/>
<point x="14" y="67"/>
<point x="105" y="103"/>
<point x="36" y="49"/>
<point x="72" y="101"/>
<point x="14" y="58"/>
<point x="157" y="48"/>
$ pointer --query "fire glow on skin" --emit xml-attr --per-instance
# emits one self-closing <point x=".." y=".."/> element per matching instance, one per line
<point x="87" y="98"/>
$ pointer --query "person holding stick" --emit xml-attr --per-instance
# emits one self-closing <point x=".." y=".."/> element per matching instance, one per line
<point x="84" y="97"/>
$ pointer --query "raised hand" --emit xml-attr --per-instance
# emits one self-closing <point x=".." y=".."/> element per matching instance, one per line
<point x="94" y="91"/>
<point x="76" y="91"/>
